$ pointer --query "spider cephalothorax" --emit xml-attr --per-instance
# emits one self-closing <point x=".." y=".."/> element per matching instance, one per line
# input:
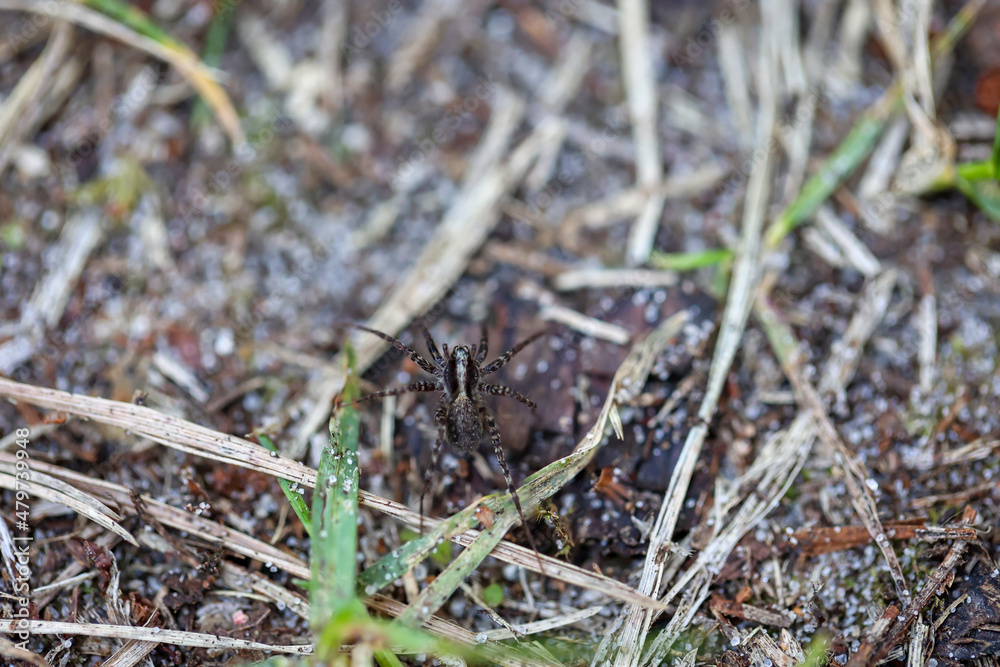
<point x="461" y="412"/>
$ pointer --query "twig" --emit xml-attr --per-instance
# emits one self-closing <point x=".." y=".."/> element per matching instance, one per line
<point x="157" y="635"/>
<point x="419" y="41"/>
<point x="604" y="278"/>
<point x="586" y="325"/>
<point x="545" y="625"/>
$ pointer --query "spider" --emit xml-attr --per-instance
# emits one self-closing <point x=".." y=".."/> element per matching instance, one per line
<point x="461" y="411"/>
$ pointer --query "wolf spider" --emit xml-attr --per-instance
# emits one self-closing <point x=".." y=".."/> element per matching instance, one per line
<point x="461" y="411"/>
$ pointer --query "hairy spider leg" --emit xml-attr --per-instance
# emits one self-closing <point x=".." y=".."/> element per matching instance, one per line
<point x="491" y="423"/>
<point x="501" y="390"/>
<point x="440" y="418"/>
<point x="481" y="355"/>
<point x="400" y="345"/>
<point x="499" y="362"/>
<point x="396" y="391"/>
<point x="431" y="345"/>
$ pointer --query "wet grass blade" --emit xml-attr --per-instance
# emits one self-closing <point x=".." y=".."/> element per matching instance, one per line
<point x="295" y="498"/>
<point x="438" y="591"/>
<point x="536" y="488"/>
<point x="334" y="606"/>
<point x="338" y="615"/>
<point x="405" y="558"/>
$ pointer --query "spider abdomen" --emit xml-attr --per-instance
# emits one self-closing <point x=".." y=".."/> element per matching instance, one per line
<point x="463" y="425"/>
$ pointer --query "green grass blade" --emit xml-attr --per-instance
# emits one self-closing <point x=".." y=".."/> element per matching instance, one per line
<point x="295" y="499"/>
<point x="394" y="565"/>
<point x="134" y="18"/>
<point x="387" y="659"/>
<point x="218" y="35"/>
<point x="438" y="591"/>
<point x="689" y="261"/>
<point x="335" y="528"/>
<point x="985" y="194"/>
<point x="977" y="170"/>
<point x="944" y="42"/>
<point x="211" y="54"/>
<point x="779" y="334"/>
<point x="817" y="652"/>
<point x="851" y="152"/>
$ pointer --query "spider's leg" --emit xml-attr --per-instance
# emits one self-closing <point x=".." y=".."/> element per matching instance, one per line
<point x="491" y="423"/>
<point x="481" y="356"/>
<point x="431" y="345"/>
<point x="499" y="362"/>
<point x="439" y="418"/>
<point x="396" y="391"/>
<point x="501" y="390"/>
<point x="400" y="345"/>
<point x="444" y="350"/>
